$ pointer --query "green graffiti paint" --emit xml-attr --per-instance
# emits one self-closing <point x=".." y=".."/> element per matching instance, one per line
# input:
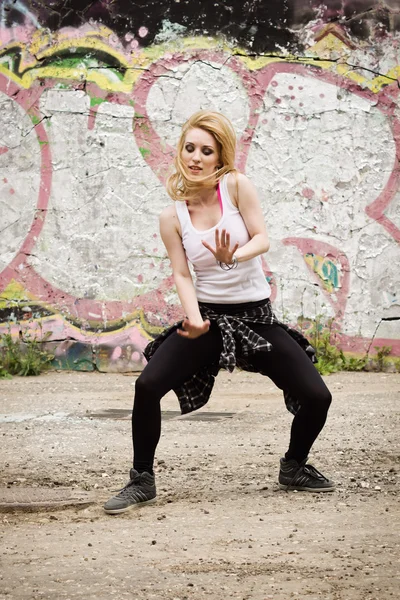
<point x="65" y="62"/>
<point x="330" y="273"/>
<point x="117" y="73"/>
<point x="94" y="101"/>
<point x="326" y="270"/>
<point x="144" y="152"/>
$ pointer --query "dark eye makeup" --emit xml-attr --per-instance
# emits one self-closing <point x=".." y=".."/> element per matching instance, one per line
<point x="205" y="149"/>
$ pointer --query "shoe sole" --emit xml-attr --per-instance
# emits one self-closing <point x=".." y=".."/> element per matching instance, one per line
<point x="117" y="511"/>
<point x="306" y="489"/>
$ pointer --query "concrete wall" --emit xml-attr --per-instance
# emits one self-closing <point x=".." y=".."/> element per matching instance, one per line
<point x="92" y="96"/>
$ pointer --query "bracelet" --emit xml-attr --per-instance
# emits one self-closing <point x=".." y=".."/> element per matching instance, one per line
<point x="230" y="266"/>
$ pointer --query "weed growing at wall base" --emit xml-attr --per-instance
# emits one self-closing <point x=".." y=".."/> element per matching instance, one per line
<point x="331" y="359"/>
<point x="22" y="356"/>
<point x="381" y="356"/>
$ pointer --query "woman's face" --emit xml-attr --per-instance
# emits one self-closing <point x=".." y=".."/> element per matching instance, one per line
<point x="200" y="152"/>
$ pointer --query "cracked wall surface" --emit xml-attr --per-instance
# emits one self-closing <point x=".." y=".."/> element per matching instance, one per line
<point x="91" y="105"/>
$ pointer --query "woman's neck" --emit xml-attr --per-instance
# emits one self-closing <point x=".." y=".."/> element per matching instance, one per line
<point x="204" y="198"/>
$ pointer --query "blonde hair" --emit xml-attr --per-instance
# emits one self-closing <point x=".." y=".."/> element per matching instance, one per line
<point x="181" y="185"/>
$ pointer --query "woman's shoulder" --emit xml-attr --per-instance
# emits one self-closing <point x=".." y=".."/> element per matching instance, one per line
<point x="169" y="218"/>
<point x="169" y="212"/>
<point x="236" y="181"/>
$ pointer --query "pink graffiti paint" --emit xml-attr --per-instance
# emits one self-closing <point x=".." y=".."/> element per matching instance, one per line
<point x="57" y="327"/>
<point x="97" y="96"/>
<point x="324" y="196"/>
<point x="29" y="101"/>
<point x="92" y="116"/>
<point x="385" y="101"/>
<point x="270" y="278"/>
<point x="160" y="157"/>
<point x="19" y="268"/>
<point x="3" y="150"/>
<point x="19" y="34"/>
<point x="308" y="193"/>
<point x="361" y="345"/>
<point x="143" y="31"/>
<point x="116" y="353"/>
<point x="376" y="210"/>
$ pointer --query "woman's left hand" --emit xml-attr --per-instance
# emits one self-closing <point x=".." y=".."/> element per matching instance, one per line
<point x="223" y="252"/>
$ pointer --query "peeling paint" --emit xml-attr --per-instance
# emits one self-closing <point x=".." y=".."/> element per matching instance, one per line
<point x="316" y="113"/>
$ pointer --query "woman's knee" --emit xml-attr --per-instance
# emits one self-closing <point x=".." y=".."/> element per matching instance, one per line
<point x="326" y="399"/>
<point x="145" y="388"/>
<point x="321" y="400"/>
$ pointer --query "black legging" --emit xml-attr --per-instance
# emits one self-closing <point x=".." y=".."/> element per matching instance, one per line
<point x="177" y="359"/>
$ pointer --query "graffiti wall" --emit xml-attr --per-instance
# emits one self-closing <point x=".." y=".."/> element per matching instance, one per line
<point x="92" y="97"/>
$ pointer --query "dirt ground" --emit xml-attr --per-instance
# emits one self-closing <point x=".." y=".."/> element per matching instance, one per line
<point x="221" y="528"/>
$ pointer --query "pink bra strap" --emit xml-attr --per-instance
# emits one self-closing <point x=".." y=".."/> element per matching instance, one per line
<point x="220" y="199"/>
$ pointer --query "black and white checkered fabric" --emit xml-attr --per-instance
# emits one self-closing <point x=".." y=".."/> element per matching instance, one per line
<point x="239" y="343"/>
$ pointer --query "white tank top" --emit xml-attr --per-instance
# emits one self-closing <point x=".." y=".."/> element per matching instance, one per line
<point x="245" y="283"/>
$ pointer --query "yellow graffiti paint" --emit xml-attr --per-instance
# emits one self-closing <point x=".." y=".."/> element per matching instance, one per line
<point x="191" y="43"/>
<point x="46" y="323"/>
<point x="328" y="43"/>
<point x="44" y="46"/>
<point x="14" y="294"/>
<point x="326" y="270"/>
<point x="61" y="46"/>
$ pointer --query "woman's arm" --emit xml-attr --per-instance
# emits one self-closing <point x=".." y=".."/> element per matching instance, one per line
<point x="193" y="326"/>
<point x="246" y="198"/>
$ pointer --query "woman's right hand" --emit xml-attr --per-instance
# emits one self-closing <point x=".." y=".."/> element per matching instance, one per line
<point x="193" y="330"/>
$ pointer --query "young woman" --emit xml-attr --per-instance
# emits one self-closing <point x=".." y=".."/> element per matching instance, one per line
<point x="216" y="223"/>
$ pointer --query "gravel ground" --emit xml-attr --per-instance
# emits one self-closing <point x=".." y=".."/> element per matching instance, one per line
<point x="221" y="528"/>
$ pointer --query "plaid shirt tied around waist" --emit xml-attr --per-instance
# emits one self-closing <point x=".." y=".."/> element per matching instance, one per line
<point x="239" y="342"/>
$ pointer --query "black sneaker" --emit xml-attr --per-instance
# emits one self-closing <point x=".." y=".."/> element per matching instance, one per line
<point x="300" y="476"/>
<point x="140" y="489"/>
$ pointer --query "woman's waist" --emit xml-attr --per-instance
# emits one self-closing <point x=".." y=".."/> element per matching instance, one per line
<point x="221" y="283"/>
<point x="235" y="308"/>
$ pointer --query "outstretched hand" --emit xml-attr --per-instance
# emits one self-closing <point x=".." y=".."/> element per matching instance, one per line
<point x="193" y="330"/>
<point x="223" y="252"/>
